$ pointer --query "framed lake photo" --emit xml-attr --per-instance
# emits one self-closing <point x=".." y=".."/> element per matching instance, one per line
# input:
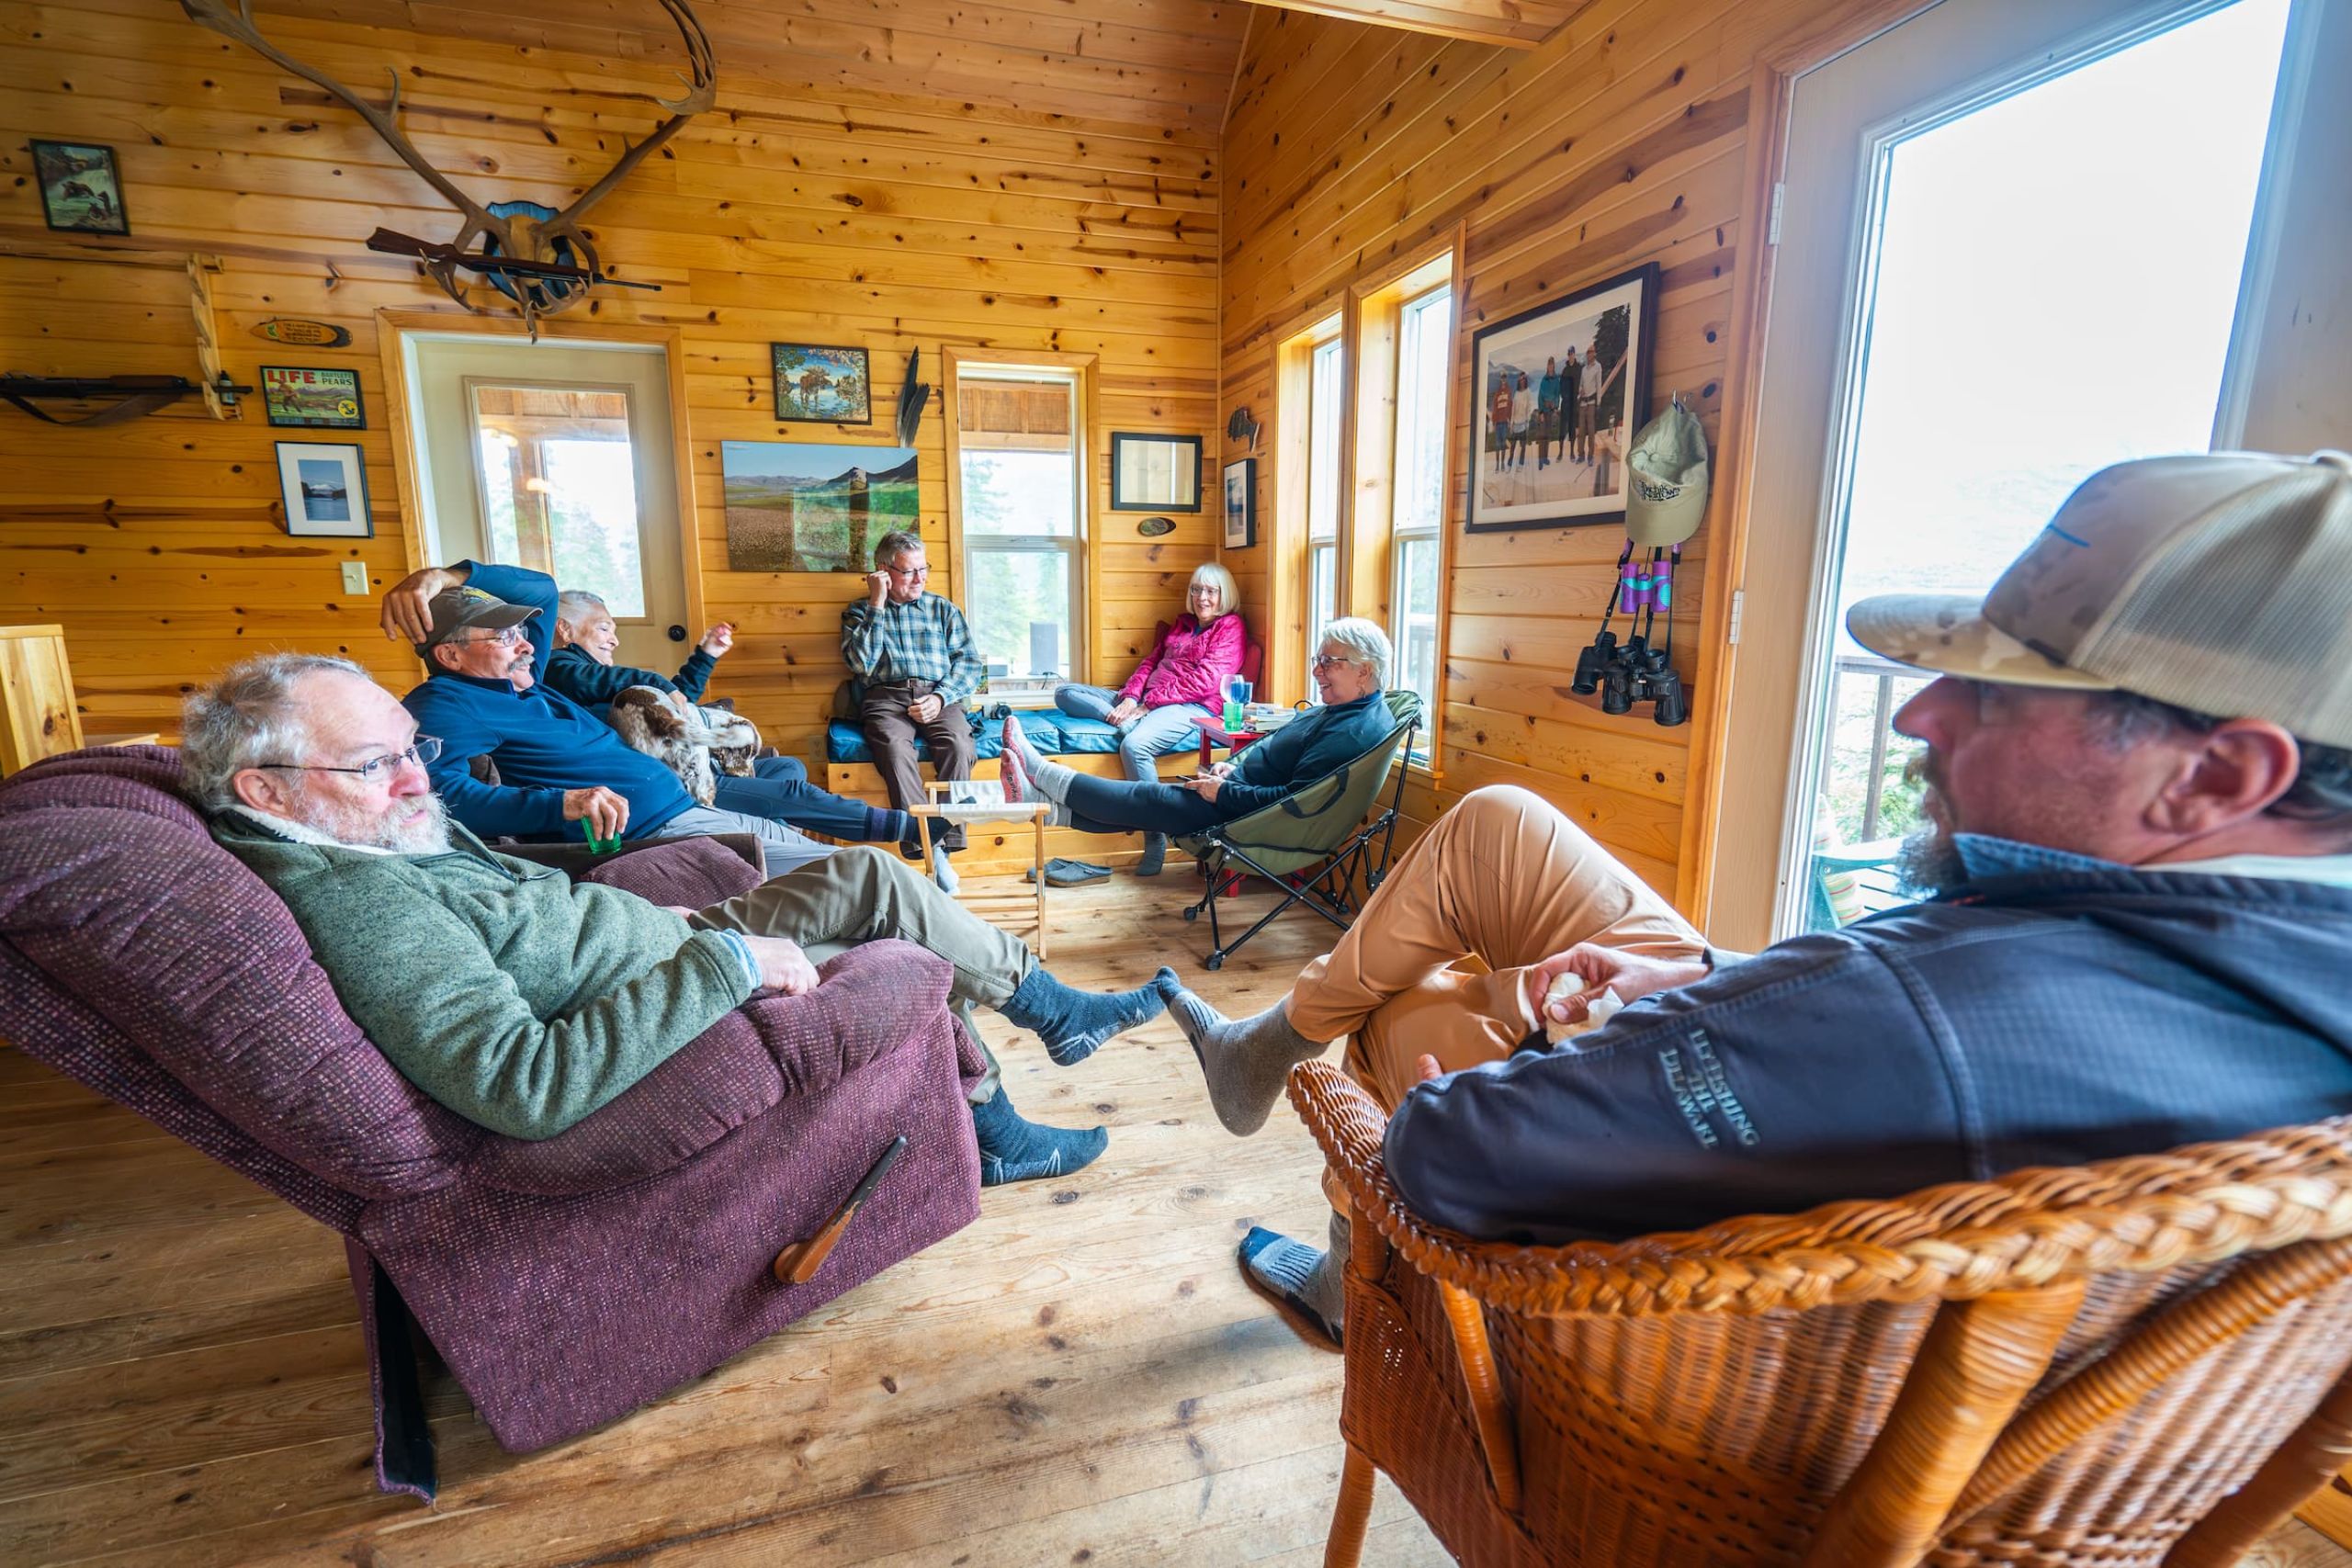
<point x="821" y="386"/>
<point x="79" y="188"/>
<point x="325" y="489"/>
<point x="1559" y="390"/>
<point x="807" y="506"/>
<point x="313" y="398"/>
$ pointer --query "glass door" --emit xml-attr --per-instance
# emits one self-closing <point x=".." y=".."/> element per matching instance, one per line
<point x="2026" y="276"/>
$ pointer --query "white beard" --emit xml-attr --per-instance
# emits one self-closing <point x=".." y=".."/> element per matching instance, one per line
<point x="419" y="826"/>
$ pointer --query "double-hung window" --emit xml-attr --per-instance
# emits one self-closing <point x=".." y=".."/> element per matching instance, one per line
<point x="1326" y="414"/>
<point x="1019" y="441"/>
<point x="1424" y="340"/>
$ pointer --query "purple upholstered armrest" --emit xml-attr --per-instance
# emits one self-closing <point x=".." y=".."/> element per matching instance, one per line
<point x="868" y="1002"/>
<point x="696" y="873"/>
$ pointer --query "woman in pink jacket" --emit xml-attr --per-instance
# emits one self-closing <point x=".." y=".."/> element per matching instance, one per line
<point x="1179" y="684"/>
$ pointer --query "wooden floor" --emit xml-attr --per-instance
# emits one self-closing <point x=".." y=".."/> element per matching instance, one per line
<point x="1079" y="1378"/>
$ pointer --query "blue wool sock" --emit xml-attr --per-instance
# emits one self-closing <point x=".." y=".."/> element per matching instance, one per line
<point x="1072" y="1023"/>
<point x="1013" y="1149"/>
<point x="1306" y="1279"/>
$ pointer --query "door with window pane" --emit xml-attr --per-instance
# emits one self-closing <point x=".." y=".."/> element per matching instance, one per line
<point x="556" y="456"/>
<point x="1018" y="441"/>
<point x="2012" y="242"/>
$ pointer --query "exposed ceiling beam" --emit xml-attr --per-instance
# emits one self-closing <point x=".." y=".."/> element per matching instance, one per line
<point x="1516" y="24"/>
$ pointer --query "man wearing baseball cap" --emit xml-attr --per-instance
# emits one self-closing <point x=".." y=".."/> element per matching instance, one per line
<point x="2137" y="849"/>
<point x="562" y="770"/>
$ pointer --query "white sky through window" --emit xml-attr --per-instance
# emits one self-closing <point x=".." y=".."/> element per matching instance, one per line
<point x="2058" y="275"/>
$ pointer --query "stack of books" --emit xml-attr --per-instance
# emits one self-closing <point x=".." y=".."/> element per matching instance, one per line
<point x="1265" y="719"/>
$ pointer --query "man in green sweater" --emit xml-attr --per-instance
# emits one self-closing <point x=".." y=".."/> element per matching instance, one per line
<point x="523" y="1001"/>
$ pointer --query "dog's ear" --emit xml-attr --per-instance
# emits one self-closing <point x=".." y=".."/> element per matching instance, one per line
<point x="651" y="706"/>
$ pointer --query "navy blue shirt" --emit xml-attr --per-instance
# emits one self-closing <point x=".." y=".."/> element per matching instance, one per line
<point x="1302" y="751"/>
<point x="542" y="742"/>
<point x="2054" y="1011"/>
<point x="593" y="685"/>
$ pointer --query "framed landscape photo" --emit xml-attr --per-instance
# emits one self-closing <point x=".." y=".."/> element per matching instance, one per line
<point x="325" y="489"/>
<point x="79" y="188"/>
<point x="1241" y="505"/>
<point x="809" y="506"/>
<point x="313" y="398"/>
<point x="821" y="386"/>
<point x="1559" y="390"/>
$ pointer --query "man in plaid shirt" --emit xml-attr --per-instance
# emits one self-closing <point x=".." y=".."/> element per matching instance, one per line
<point x="913" y="651"/>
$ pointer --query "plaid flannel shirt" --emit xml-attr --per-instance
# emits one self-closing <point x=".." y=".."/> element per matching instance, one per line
<point x="927" y="640"/>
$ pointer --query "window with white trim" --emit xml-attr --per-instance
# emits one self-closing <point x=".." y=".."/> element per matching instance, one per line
<point x="1018" y="445"/>
<point x="1327" y="415"/>
<point x="1424" y="342"/>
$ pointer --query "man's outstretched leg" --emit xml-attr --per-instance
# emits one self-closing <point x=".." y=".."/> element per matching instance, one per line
<point x="863" y="894"/>
<point x="1503" y="877"/>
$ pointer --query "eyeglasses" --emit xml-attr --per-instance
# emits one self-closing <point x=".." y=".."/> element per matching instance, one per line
<point x="918" y="573"/>
<point x="422" y="754"/>
<point x="506" y="638"/>
<point x="1325" y="660"/>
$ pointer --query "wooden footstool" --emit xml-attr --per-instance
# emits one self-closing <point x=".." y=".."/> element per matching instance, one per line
<point x="1017" y="912"/>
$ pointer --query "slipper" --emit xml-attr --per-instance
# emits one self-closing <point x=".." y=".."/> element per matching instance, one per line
<point x="1068" y="873"/>
<point x="1303" y="1320"/>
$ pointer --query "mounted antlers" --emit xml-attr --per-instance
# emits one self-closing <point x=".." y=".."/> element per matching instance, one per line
<point x="523" y="230"/>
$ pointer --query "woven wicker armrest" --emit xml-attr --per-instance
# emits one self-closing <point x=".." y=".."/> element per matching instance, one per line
<point x="2029" y="1229"/>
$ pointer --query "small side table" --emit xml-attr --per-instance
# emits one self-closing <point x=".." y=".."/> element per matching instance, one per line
<point x="1214" y="736"/>
<point x="991" y="905"/>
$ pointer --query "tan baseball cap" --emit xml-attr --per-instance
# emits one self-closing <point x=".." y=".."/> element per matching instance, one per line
<point x="2220" y="582"/>
<point x="463" y="609"/>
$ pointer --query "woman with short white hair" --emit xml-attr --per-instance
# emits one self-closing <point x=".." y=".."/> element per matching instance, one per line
<point x="1350" y="670"/>
<point x="1179" y="684"/>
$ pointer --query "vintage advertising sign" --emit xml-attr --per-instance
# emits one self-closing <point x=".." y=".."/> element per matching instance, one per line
<point x="309" y="398"/>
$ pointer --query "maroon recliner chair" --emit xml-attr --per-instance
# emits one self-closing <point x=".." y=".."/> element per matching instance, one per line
<point x="566" y="1282"/>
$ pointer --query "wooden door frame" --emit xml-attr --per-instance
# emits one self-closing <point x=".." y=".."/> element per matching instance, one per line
<point x="391" y="327"/>
<point x="1770" y="95"/>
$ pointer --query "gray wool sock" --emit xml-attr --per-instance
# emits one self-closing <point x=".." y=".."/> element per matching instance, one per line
<point x="1244" y="1061"/>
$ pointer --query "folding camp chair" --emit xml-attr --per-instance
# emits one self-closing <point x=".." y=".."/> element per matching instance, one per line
<point x="1316" y="825"/>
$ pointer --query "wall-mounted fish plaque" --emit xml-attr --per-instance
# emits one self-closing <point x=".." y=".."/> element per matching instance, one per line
<point x="303" y="334"/>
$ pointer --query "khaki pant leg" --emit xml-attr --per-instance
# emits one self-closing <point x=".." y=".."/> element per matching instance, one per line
<point x="1503" y="877"/>
<point x="862" y="893"/>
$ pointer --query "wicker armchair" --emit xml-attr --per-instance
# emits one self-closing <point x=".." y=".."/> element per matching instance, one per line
<point x="2139" y="1361"/>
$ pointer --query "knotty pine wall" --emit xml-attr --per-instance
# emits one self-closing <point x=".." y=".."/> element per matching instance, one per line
<point x="1352" y="149"/>
<point x="818" y="212"/>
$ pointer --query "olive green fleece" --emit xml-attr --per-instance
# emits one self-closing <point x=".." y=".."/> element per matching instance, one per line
<point x="519" y="999"/>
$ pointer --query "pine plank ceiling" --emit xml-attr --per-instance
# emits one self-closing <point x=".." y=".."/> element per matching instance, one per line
<point x="1167" y="64"/>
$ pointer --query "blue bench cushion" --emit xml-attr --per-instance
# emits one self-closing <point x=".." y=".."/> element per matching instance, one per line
<point x="1052" y="732"/>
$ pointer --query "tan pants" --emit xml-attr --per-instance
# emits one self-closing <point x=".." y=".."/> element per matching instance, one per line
<point x="1502" y="877"/>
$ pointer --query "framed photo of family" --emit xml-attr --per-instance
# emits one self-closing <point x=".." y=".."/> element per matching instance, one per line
<point x="1559" y="391"/>
<point x="325" y="489"/>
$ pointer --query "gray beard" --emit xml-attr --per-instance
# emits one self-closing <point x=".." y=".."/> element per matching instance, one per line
<point x="1930" y="861"/>
<point x="426" y="833"/>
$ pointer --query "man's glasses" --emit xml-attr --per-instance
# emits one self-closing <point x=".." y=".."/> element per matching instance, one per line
<point x="377" y="767"/>
<point x="918" y="573"/>
<point x="506" y="638"/>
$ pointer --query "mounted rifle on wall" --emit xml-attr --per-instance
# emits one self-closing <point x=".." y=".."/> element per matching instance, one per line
<point x="535" y="255"/>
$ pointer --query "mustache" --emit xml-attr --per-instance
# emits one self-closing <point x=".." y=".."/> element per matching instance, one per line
<point x="1922" y="768"/>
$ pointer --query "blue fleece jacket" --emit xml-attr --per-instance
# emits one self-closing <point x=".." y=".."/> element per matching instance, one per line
<point x="542" y="742"/>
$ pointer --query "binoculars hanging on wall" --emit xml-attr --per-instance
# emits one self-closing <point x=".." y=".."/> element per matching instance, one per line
<point x="1634" y="672"/>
